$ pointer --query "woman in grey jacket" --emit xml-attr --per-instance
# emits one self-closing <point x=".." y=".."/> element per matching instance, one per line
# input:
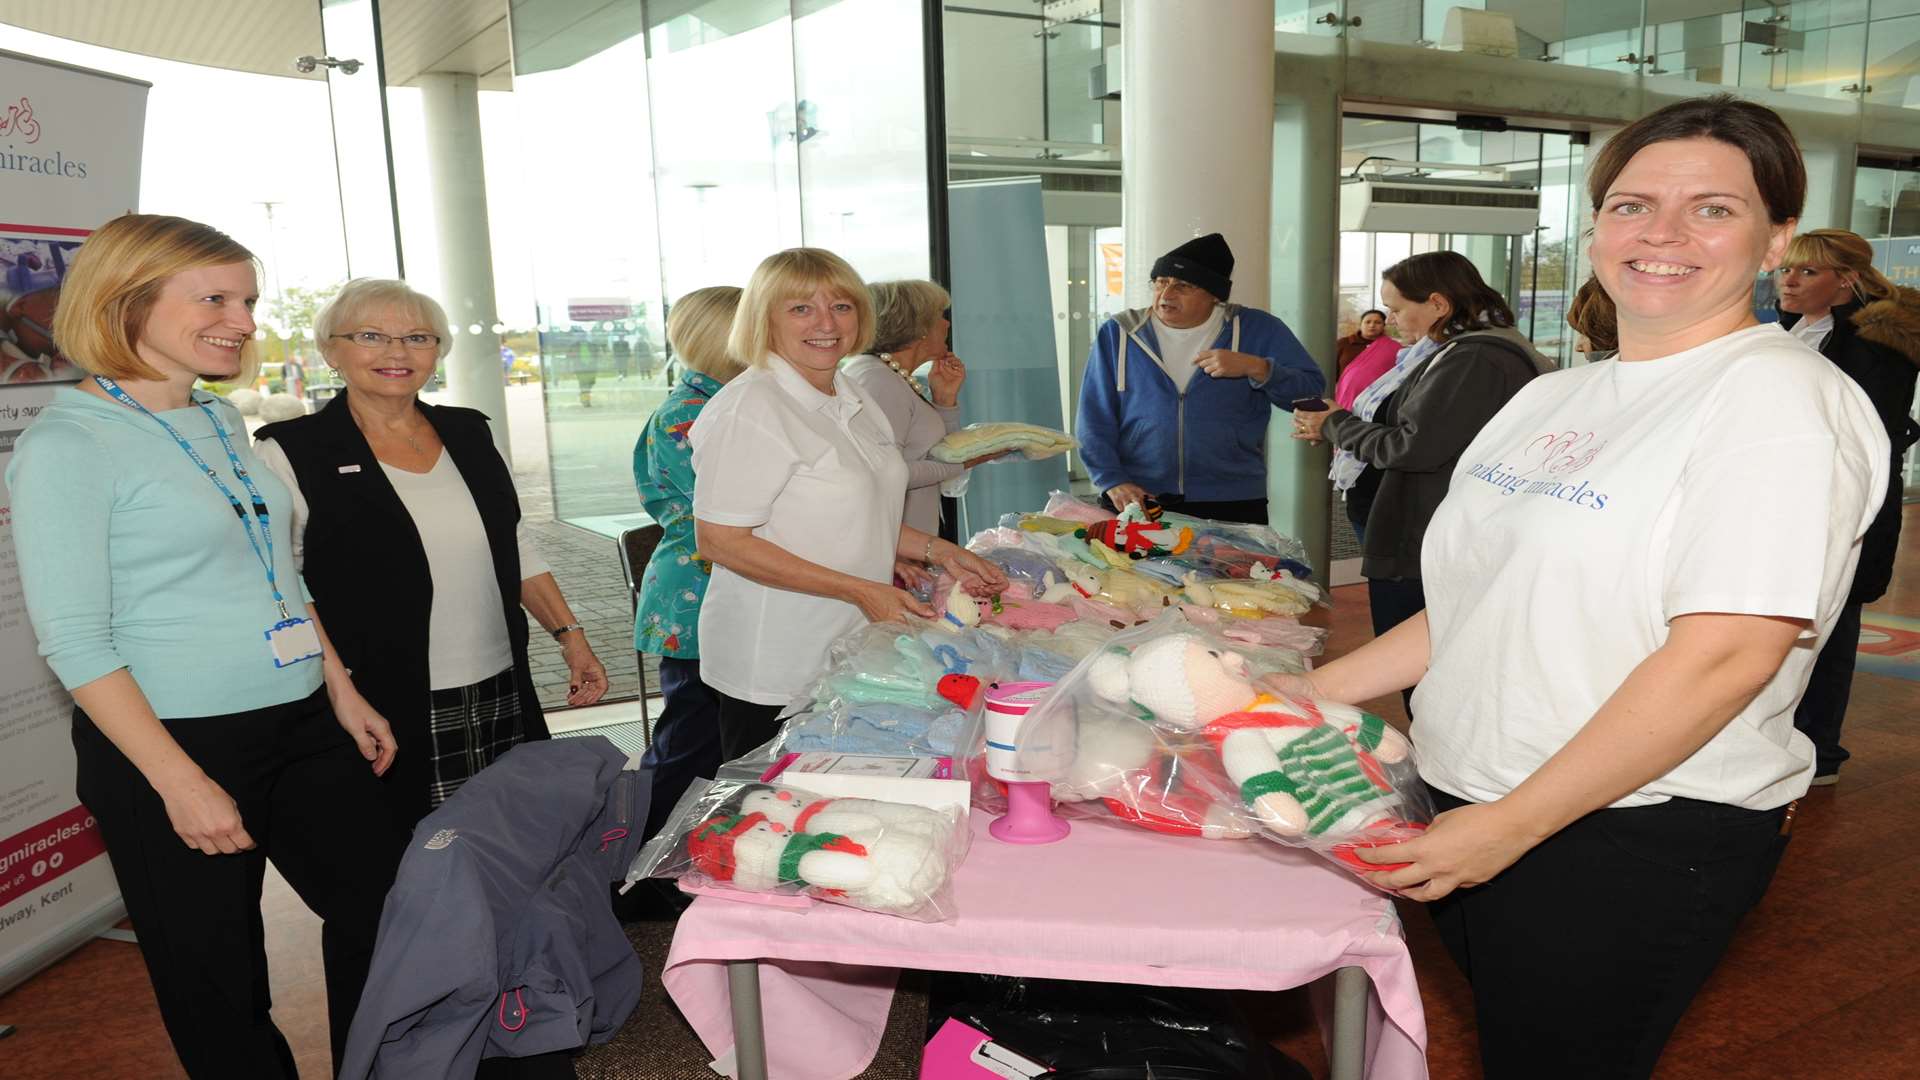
<point x="1475" y="363"/>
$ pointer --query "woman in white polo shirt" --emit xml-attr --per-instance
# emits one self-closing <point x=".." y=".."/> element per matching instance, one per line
<point x="798" y="491"/>
<point x="1627" y="584"/>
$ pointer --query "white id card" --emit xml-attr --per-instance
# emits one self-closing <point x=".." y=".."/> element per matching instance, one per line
<point x="293" y="640"/>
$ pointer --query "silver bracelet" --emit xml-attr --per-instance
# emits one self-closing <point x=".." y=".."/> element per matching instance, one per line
<point x="928" y="556"/>
<point x="559" y="630"/>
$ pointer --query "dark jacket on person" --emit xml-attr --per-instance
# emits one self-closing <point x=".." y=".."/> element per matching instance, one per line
<point x="367" y="572"/>
<point x="499" y="938"/>
<point x="1419" y="434"/>
<point x="1878" y="346"/>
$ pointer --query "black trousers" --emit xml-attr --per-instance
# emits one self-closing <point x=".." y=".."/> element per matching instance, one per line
<point x="744" y="726"/>
<point x="1585" y="953"/>
<point x="686" y="738"/>
<point x="310" y="803"/>
<point x="1393" y="601"/>
<point x="1823" y="707"/>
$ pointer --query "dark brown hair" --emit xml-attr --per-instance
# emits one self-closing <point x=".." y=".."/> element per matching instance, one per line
<point x="1475" y="305"/>
<point x="1754" y="130"/>
<point x="1592" y="316"/>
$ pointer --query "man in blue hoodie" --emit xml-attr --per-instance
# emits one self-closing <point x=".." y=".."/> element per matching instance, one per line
<point x="1176" y="397"/>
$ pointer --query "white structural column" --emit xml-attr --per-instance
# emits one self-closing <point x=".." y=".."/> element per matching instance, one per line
<point x="1196" y="134"/>
<point x="472" y="369"/>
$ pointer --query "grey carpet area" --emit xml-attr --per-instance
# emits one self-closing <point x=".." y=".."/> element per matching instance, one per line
<point x="657" y="1043"/>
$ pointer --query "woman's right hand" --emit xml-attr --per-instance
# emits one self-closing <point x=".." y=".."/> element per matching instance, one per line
<point x="884" y="603"/>
<point x="205" y="817"/>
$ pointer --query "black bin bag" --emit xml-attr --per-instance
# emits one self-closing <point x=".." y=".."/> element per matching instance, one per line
<point x="1111" y="1031"/>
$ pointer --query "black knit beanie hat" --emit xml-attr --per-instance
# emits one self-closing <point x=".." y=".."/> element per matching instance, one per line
<point x="1205" y="261"/>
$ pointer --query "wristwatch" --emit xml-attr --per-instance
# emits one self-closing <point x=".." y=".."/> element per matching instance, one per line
<point x="558" y="630"/>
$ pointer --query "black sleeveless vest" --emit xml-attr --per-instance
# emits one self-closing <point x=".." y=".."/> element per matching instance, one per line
<point x="367" y="571"/>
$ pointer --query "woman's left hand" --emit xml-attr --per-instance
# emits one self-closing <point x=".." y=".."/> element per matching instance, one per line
<point x="975" y="574"/>
<point x="1461" y="849"/>
<point x="586" y="679"/>
<point x="370" y="731"/>
<point x="948" y="373"/>
<point x="1307" y="423"/>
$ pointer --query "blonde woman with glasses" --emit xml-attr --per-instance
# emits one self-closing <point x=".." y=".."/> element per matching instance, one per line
<point x="408" y="533"/>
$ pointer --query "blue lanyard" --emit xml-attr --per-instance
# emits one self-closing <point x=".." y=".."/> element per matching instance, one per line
<point x="253" y="493"/>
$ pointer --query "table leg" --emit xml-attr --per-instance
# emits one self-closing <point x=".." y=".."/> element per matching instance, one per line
<point x="1348" y="1055"/>
<point x="749" y="1034"/>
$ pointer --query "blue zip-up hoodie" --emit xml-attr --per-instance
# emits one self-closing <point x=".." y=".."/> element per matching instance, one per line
<point x="1208" y="444"/>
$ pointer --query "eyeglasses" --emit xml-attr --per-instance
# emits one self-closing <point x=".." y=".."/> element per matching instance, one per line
<point x="374" y="339"/>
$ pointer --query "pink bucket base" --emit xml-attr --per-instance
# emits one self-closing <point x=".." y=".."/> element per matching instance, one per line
<point x="1029" y="818"/>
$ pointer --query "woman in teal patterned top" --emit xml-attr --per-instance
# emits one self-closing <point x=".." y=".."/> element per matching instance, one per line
<point x="686" y="740"/>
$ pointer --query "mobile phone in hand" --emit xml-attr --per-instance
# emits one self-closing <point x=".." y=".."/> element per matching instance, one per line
<point x="1309" y="404"/>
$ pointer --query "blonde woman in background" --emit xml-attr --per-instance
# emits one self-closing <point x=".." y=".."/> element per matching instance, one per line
<point x="686" y="738"/>
<point x="1832" y="298"/>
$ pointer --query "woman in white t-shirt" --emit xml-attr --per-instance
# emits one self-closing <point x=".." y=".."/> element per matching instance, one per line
<point x="799" y="487"/>
<point x="1627" y="583"/>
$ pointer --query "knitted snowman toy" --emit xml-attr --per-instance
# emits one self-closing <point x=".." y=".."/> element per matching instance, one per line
<point x="1124" y="764"/>
<point x="880" y="856"/>
<point x="1319" y="772"/>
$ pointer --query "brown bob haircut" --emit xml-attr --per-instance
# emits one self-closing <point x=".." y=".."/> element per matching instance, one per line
<point x="1754" y="130"/>
<point x="1474" y="304"/>
<point x="116" y="277"/>
<point x="1592" y="316"/>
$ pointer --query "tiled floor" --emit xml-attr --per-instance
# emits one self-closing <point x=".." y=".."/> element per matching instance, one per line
<point x="1824" y="979"/>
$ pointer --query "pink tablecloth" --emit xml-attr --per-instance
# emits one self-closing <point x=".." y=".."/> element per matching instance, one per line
<point x="1109" y="903"/>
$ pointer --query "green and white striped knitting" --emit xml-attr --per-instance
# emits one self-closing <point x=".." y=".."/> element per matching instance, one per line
<point x="1322" y="771"/>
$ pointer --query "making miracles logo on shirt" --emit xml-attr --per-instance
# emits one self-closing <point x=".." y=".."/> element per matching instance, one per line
<point x="1549" y="465"/>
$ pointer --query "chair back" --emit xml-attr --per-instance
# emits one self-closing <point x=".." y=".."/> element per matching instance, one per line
<point x="636" y="547"/>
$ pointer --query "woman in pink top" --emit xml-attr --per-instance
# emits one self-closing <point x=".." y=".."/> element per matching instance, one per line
<point x="1372" y="362"/>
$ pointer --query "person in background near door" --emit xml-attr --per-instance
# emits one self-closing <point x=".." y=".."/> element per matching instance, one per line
<point x="1591" y="317"/>
<point x="1834" y="299"/>
<point x="1176" y="396"/>
<point x="1373" y="325"/>
<point x="407" y="530"/>
<point x="910" y="329"/>
<point x="1410" y="426"/>
<point x="213" y="729"/>
<point x="686" y="737"/>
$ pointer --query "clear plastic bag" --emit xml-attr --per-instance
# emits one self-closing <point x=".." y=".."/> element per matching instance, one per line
<point x="772" y="840"/>
<point x="1164" y="728"/>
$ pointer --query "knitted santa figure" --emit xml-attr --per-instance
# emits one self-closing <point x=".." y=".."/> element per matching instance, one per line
<point x="1318" y="771"/>
<point x="880" y="856"/>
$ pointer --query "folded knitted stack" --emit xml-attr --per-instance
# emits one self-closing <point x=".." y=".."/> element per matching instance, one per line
<point x="977" y="440"/>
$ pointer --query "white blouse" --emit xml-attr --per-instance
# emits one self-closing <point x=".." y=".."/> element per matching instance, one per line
<point x="467" y="630"/>
<point x="821" y="476"/>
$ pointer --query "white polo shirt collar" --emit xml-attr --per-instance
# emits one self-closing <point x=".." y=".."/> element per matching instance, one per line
<point x="845" y="400"/>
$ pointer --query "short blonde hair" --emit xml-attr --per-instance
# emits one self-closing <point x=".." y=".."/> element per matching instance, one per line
<point x="795" y="274"/>
<point x="1846" y="252"/>
<point x="904" y="311"/>
<point x="361" y="295"/>
<point x="697" y="329"/>
<point x="116" y="277"/>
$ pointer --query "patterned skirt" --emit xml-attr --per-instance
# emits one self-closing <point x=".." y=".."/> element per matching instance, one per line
<point x="469" y="727"/>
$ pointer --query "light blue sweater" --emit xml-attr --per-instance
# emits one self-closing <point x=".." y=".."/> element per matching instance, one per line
<point x="130" y="558"/>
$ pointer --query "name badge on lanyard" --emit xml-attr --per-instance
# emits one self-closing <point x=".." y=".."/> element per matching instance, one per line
<point x="292" y="639"/>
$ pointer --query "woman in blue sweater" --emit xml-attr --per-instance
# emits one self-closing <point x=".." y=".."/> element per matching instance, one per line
<point x="214" y="727"/>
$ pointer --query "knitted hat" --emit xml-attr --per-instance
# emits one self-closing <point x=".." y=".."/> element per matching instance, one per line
<point x="1205" y="261"/>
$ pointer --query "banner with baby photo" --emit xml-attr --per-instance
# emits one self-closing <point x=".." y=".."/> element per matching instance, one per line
<point x="70" y="144"/>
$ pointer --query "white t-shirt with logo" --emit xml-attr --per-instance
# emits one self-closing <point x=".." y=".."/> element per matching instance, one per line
<point x="1606" y="500"/>
<point x="818" y="474"/>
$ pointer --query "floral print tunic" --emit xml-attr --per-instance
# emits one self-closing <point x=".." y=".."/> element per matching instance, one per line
<point x="668" y="621"/>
